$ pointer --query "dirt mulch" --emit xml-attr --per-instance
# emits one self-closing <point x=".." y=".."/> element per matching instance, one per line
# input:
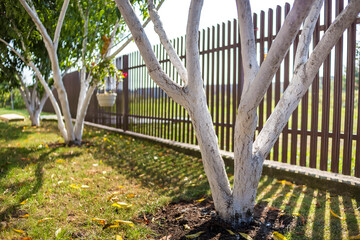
<point x="179" y="220"/>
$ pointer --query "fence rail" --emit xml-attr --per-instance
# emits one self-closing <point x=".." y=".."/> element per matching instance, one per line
<point x="323" y="132"/>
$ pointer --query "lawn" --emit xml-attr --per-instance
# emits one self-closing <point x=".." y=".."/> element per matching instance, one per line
<point x="51" y="191"/>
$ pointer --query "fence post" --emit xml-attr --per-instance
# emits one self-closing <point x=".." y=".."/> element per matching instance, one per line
<point x="126" y="93"/>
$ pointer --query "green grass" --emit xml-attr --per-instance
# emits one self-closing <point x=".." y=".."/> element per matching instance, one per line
<point x="48" y="177"/>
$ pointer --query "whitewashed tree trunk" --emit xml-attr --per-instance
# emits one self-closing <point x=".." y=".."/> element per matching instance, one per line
<point x="51" y="47"/>
<point x="236" y="206"/>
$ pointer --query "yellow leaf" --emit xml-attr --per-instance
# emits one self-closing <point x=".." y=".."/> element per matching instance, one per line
<point x="99" y="221"/>
<point x="24" y="216"/>
<point x="200" y="200"/>
<point x="26" y="238"/>
<point x="278" y="236"/>
<point x="195" y="235"/>
<point x="74" y="186"/>
<point x="121" y="205"/>
<point x="60" y="160"/>
<point x="131" y="224"/>
<point x="335" y="215"/>
<point x="18" y="231"/>
<point x="296" y="214"/>
<point x="118" y="237"/>
<point x="114" y="226"/>
<point x="23" y="202"/>
<point x="130" y="195"/>
<point x="231" y="232"/>
<point x="355" y="237"/>
<point x="290" y="195"/>
<point x="44" y="219"/>
<point x="285" y="182"/>
<point x="244" y="235"/>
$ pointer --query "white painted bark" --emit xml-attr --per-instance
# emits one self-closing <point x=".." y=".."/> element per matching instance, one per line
<point x="130" y="39"/>
<point x="159" y="29"/>
<point x="302" y="79"/>
<point x="54" y="103"/>
<point x="171" y="88"/>
<point x="51" y="47"/>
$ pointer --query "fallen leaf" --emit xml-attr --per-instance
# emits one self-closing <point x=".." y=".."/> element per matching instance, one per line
<point x="231" y="232"/>
<point x="200" y="200"/>
<point x="118" y="237"/>
<point x="111" y="226"/>
<point x="130" y="195"/>
<point x="290" y="195"/>
<point x="278" y="236"/>
<point x="24" y="216"/>
<point x="60" y="160"/>
<point x="286" y="182"/>
<point x="181" y="216"/>
<point x="23" y="202"/>
<point x="335" y="215"/>
<point x="99" y="221"/>
<point x="26" y="238"/>
<point x="18" y="231"/>
<point x="131" y="224"/>
<point x="244" y="235"/>
<point x="354" y="237"/>
<point x="44" y="219"/>
<point x="195" y="235"/>
<point x="121" y="205"/>
<point x="74" y="186"/>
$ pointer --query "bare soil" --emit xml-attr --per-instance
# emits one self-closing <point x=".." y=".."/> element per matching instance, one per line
<point x="179" y="220"/>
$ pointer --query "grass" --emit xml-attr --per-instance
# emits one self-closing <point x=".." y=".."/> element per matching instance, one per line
<point x="72" y="185"/>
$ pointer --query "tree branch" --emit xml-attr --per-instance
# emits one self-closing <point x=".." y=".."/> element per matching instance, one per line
<point x="302" y="50"/>
<point x="252" y="96"/>
<point x="302" y="80"/>
<point x="32" y="12"/>
<point x="132" y="38"/>
<point x="60" y="23"/>
<point x="192" y="49"/>
<point x="174" y="90"/>
<point x="247" y="39"/>
<point x="174" y="58"/>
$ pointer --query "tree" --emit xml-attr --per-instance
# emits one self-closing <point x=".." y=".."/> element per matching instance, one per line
<point x="18" y="33"/>
<point x="100" y="24"/>
<point x="235" y="205"/>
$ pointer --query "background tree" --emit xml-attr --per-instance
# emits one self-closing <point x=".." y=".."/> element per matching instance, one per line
<point x="235" y="205"/>
<point x="17" y="35"/>
<point x="88" y="29"/>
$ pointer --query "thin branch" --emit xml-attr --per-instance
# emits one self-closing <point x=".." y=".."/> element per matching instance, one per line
<point x="32" y="12"/>
<point x="247" y="38"/>
<point x="174" y="90"/>
<point x="302" y="50"/>
<point x="60" y="23"/>
<point x="158" y="27"/>
<point x="252" y="96"/>
<point x="302" y="80"/>
<point x="132" y="38"/>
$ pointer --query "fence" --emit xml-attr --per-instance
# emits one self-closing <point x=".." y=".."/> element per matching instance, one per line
<point x="323" y="132"/>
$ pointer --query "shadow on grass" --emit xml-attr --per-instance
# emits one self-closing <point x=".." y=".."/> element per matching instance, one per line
<point x="181" y="177"/>
<point x="21" y="158"/>
<point x="11" y="131"/>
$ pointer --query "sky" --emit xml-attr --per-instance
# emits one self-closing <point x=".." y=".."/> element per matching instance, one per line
<point x="173" y="14"/>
